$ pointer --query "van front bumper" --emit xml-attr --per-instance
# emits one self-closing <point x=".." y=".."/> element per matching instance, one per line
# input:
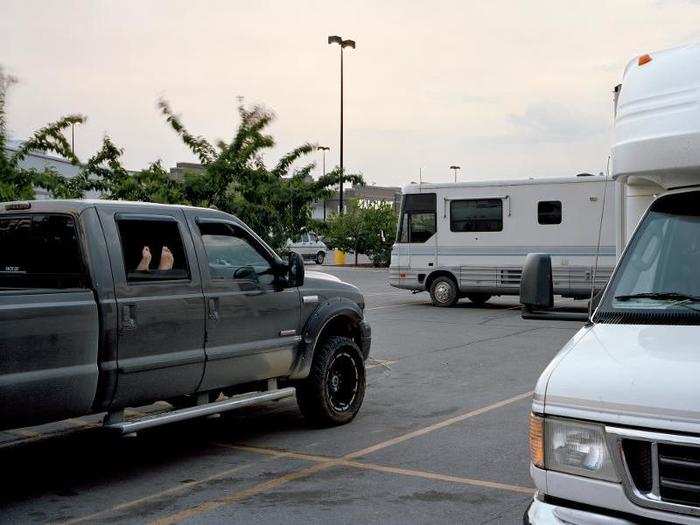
<point x="542" y="513"/>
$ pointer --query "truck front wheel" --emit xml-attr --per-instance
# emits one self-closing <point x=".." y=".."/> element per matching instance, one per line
<point x="333" y="393"/>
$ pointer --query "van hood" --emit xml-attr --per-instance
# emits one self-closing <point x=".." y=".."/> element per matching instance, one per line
<point x="632" y="375"/>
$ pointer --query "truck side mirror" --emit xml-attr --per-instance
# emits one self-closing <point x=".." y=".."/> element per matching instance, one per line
<point x="296" y="270"/>
<point x="536" y="288"/>
<point x="537" y="291"/>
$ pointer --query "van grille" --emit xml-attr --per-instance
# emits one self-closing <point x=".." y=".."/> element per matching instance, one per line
<point x="679" y="474"/>
<point x="666" y="473"/>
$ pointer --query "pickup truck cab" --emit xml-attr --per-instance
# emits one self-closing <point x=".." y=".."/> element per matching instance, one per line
<point x="615" y="422"/>
<point x="309" y="246"/>
<point x="106" y="305"/>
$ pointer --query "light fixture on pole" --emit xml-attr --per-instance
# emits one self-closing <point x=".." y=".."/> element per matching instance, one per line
<point x="335" y="39"/>
<point x="455" y="168"/>
<point x="324" y="149"/>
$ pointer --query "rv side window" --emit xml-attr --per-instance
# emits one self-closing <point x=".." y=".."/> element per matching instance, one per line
<point x="549" y="212"/>
<point x="418" y="220"/>
<point x="476" y="215"/>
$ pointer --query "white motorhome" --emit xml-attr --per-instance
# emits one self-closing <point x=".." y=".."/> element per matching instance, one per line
<point x="615" y="422"/>
<point x="471" y="239"/>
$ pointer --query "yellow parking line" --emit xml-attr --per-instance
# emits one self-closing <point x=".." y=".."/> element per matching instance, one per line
<point x="439" y="477"/>
<point x="175" y="490"/>
<point x="266" y="486"/>
<point x="437" y="426"/>
<point x="325" y="463"/>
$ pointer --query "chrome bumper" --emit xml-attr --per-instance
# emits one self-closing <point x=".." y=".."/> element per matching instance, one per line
<point x="541" y="513"/>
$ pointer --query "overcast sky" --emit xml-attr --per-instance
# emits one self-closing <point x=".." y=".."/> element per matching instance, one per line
<point x="503" y="88"/>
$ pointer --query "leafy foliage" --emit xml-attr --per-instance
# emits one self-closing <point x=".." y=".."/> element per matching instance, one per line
<point x="365" y="228"/>
<point x="275" y="202"/>
<point x="17" y="182"/>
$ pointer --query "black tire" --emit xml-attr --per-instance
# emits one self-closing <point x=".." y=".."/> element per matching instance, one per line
<point x="444" y="291"/>
<point x="320" y="257"/>
<point x="333" y="393"/>
<point x="479" y="298"/>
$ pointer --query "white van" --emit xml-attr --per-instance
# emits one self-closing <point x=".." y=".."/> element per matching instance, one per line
<point x="470" y="239"/>
<point x="615" y="422"/>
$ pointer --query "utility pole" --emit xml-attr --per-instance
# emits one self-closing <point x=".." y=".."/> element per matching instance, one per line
<point x="324" y="149"/>
<point x="335" y="39"/>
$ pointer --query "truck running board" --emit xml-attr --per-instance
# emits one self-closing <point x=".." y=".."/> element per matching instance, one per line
<point x="254" y="398"/>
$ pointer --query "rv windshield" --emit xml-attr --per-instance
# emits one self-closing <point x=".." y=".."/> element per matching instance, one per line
<point x="661" y="268"/>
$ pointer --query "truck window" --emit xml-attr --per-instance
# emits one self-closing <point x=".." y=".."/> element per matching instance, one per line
<point x="476" y="215"/>
<point x="230" y="250"/>
<point x="152" y="250"/>
<point x="549" y="212"/>
<point x="40" y="251"/>
<point x="418" y="218"/>
<point x="658" y="278"/>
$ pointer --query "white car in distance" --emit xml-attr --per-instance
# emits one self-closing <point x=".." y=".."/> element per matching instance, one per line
<point x="309" y="246"/>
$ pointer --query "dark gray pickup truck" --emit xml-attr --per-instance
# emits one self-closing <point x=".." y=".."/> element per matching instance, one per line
<point x="106" y="305"/>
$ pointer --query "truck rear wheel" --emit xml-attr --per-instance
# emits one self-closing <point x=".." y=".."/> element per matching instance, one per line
<point x="478" y="298"/>
<point x="320" y="257"/>
<point x="443" y="291"/>
<point x="333" y="393"/>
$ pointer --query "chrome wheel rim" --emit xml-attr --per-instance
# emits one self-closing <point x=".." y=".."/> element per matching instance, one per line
<point x="443" y="292"/>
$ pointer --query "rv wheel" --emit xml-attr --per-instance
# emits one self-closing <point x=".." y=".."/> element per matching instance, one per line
<point x="478" y="298"/>
<point x="443" y="291"/>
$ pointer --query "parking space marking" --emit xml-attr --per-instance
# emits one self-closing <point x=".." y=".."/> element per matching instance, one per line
<point x="323" y="463"/>
<point x="260" y="488"/>
<point x="168" y="492"/>
<point x="379" y="362"/>
<point x="437" y="426"/>
<point x="382" y="468"/>
<point x="439" y="477"/>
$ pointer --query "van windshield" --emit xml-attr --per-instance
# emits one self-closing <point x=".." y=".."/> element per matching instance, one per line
<point x="661" y="268"/>
<point x="40" y="251"/>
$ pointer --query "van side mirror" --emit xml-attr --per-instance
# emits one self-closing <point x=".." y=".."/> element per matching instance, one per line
<point x="296" y="270"/>
<point x="537" y="291"/>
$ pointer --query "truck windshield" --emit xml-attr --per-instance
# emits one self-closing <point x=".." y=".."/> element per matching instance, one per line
<point x="659" y="276"/>
<point x="39" y="251"/>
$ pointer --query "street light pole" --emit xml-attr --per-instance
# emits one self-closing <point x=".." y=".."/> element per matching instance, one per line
<point x="455" y="168"/>
<point x="335" y="39"/>
<point x="324" y="149"/>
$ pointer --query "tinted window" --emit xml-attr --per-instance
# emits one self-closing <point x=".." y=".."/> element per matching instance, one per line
<point x="418" y="221"/>
<point x="152" y="250"/>
<point x="476" y="215"/>
<point x="549" y="212"/>
<point x="233" y="254"/>
<point x="40" y="251"/>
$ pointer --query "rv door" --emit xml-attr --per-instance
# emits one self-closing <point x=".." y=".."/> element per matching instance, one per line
<point x="418" y="232"/>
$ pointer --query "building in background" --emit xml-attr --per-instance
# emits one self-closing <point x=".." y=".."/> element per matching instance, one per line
<point x="40" y="161"/>
<point x="323" y="209"/>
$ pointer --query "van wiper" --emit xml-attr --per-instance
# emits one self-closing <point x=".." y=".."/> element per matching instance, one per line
<point x="661" y="296"/>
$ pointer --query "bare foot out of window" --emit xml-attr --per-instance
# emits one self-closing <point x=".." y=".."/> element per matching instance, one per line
<point x="166" y="259"/>
<point x="145" y="260"/>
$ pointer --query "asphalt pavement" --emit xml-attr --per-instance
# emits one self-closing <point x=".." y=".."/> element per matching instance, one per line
<point x="441" y="438"/>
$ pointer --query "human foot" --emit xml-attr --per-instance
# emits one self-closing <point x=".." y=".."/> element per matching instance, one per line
<point x="145" y="260"/>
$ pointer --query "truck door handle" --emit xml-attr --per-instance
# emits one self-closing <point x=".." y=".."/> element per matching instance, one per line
<point x="213" y="308"/>
<point x="128" y="318"/>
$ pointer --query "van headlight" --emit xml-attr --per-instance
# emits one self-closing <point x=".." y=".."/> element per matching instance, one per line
<point x="570" y="446"/>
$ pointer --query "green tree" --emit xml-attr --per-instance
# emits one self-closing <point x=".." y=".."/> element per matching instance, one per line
<point x="276" y="202"/>
<point x="380" y="220"/>
<point x="366" y="227"/>
<point x="17" y="182"/>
